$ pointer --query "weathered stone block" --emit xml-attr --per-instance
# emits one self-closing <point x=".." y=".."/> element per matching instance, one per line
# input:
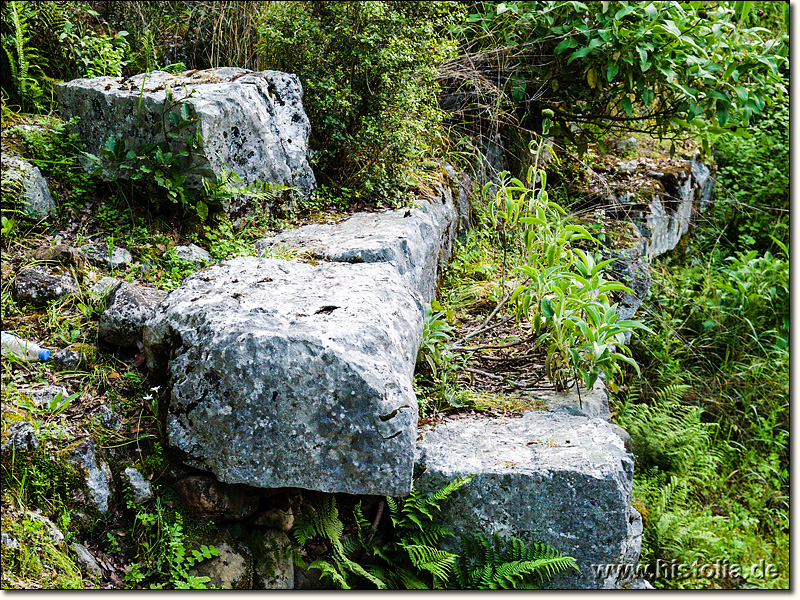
<point x="253" y="123"/>
<point x="549" y="476"/>
<point x="26" y="186"/>
<point x="286" y="374"/>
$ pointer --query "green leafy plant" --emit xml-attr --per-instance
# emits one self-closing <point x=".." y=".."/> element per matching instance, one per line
<point x="564" y="295"/>
<point x="94" y="55"/>
<point x="368" y="73"/>
<point x="22" y="60"/>
<point x="408" y="558"/>
<point x="659" y="67"/>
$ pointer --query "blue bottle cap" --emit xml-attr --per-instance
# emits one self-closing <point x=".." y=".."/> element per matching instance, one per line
<point x="44" y="354"/>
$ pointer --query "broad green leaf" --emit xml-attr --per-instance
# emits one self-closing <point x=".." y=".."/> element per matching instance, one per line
<point x="613" y="69"/>
<point x="627" y="106"/>
<point x="547" y="307"/>
<point x="741" y="92"/>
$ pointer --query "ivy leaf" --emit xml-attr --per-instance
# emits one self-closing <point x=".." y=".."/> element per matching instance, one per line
<point x="613" y="69"/>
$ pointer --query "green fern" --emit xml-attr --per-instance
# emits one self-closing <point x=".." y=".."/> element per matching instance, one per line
<point x="20" y="57"/>
<point x="502" y="564"/>
<point x="321" y="518"/>
<point x="669" y="435"/>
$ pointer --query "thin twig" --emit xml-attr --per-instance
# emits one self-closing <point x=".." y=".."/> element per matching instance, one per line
<point x="484" y="373"/>
<point x="487" y="347"/>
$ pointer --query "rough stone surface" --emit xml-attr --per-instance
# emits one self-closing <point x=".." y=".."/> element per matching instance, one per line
<point x="286" y="374"/>
<point x="102" y="288"/>
<point x="108" y="417"/>
<point x="142" y="492"/>
<point x="675" y="193"/>
<point x="417" y="242"/>
<point x="74" y="356"/>
<point x="253" y="123"/>
<point x="549" y="476"/>
<point x="43" y="396"/>
<point x="33" y="194"/>
<point x="275" y="570"/>
<point x="86" y="562"/>
<point x="6" y="539"/>
<point x="38" y="285"/>
<point x="98" y="488"/>
<point x="209" y="499"/>
<point x="98" y="254"/>
<point x="231" y="570"/>
<point x="129" y="308"/>
<point x="193" y="254"/>
<point x="20" y="437"/>
<point x="632" y="270"/>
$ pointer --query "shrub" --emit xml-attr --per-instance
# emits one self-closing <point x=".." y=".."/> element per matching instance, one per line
<point x="368" y="69"/>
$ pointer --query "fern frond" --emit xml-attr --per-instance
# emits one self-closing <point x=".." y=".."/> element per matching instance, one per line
<point x="507" y="564"/>
<point x="435" y="561"/>
<point x="331" y="572"/>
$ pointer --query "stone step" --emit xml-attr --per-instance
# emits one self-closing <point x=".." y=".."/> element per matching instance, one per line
<point x="557" y="476"/>
<point x="299" y="374"/>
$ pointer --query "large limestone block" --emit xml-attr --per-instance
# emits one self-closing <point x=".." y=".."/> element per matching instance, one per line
<point x="292" y="374"/>
<point x="415" y="241"/>
<point x="549" y="476"/>
<point x="253" y="123"/>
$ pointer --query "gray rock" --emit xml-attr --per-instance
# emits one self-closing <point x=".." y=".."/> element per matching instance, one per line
<point x="207" y="498"/>
<point x="628" y="146"/>
<point x="103" y="288"/>
<point x="546" y="477"/>
<point x="40" y="284"/>
<point x="75" y="356"/>
<point x="286" y="374"/>
<point x="43" y="396"/>
<point x="27" y="186"/>
<point x="108" y="417"/>
<point x="129" y="307"/>
<point x="86" y="562"/>
<point x="6" y="539"/>
<point x="231" y="570"/>
<point x="97" y="490"/>
<point x="20" y="437"/>
<point x="65" y="360"/>
<point x="98" y="254"/>
<point x="627" y="166"/>
<point x="308" y="579"/>
<point x="275" y="569"/>
<point x="193" y="254"/>
<point x="142" y="492"/>
<point x="641" y="584"/>
<point x="677" y="194"/>
<point x="633" y="270"/>
<point x="417" y="242"/>
<point x="253" y="123"/>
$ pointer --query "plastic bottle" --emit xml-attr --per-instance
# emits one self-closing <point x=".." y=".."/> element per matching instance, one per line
<point x="13" y="344"/>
